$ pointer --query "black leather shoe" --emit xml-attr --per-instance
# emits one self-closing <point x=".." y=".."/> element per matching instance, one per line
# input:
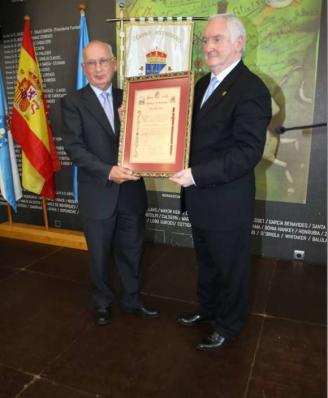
<point x="214" y="341"/>
<point x="102" y="316"/>
<point x="143" y="312"/>
<point x="192" y="319"/>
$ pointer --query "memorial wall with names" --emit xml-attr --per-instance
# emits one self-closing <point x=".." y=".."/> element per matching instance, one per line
<point x="280" y="226"/>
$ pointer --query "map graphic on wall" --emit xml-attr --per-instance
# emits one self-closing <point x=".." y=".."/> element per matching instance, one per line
<point x="282" y="48"/>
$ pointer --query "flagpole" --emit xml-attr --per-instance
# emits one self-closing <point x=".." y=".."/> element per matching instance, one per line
<point x="45" y="214"/>
<point x="10" y="217"/>
<point x="121" y="44"/>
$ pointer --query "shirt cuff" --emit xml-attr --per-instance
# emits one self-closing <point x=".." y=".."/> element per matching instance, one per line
<point x="192" y="177"/>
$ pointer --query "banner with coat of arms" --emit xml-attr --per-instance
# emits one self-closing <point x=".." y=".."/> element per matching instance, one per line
<point x="157" y="48"/>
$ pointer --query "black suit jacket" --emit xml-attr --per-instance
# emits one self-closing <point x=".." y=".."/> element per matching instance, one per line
<point x="227" y="141"/>
<point x="93" y="146"/>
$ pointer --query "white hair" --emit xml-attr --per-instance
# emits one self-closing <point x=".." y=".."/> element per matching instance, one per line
<point x="235" y="26"/>
<point x="108" y="46"/>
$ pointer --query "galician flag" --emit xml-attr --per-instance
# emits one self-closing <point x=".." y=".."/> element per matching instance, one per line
<point x="9" y="179"/>
<point x="81" y="80"/>
<point x="30" y="126"/>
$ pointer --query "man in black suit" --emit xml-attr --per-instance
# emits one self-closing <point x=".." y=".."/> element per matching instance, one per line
<point x="227" y="141"/>
<point x="112" y="202"/>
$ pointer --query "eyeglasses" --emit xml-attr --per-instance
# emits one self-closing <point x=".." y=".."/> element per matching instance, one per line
<point x="102" y="62"/>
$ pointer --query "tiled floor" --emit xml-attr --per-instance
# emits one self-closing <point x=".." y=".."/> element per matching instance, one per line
<point x="50" y="347"/>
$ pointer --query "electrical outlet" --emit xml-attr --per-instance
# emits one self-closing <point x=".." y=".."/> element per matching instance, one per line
<point x="58" y="223"/>
<point x="299" y="254"/>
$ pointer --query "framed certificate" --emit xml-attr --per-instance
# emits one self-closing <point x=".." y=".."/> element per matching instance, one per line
<point x="155" y="132"/>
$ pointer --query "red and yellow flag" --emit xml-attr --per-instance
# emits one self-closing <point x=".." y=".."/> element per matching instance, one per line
<point x="30" y="126"/>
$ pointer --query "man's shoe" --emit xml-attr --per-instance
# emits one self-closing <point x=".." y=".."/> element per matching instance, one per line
<point x="213" y="342"/>
<point x="192" y="319"/>
<point x="102" y="316"/>
<point x="143" y="312"/>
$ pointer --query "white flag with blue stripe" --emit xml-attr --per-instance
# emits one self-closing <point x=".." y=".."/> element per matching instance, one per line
<point x="9" y="178"/>
<point x="81" y="80"/>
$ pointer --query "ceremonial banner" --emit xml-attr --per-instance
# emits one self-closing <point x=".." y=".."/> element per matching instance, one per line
<point x="30" y="126"/>
<point x="9" y="179"/>
<point x="81" y="80"/>
<point x="157" y="48"/>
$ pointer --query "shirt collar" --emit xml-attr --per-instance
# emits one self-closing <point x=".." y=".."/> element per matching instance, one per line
<point x="98" y="92"/>
<point x="220" y="76"/>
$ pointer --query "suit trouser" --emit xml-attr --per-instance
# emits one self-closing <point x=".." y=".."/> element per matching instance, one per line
<point x="124" y="233"/>
<point x="223" y="274"/>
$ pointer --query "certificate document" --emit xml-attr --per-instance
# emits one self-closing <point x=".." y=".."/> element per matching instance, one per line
<point x="155" y="134"/>
<point x="155" y="126"/>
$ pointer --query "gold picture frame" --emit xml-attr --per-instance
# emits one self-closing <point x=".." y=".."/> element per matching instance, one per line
<point x="155" y="132"/>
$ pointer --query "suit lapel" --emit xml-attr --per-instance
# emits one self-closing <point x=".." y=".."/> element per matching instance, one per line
<point x="95" y="109"/>
<point x="219" y="94"/>
<point x="199" y="94"/>
<point x="117" y="101"/>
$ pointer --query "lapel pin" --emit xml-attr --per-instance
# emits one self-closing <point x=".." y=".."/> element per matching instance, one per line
<point x="224" y="93"/>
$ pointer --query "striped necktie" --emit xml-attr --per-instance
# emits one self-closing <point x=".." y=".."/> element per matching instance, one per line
<point x="210" y="88"/>
<point x="108" y="108"/>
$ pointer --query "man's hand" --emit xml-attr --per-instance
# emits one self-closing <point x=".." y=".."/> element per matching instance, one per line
<point x="183" y="178"/>
<point x="121" y="174"/>
<point x="121" y="112"/>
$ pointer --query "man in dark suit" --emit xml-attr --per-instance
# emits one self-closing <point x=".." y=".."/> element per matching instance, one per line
<point x="112" y="202"/>
<point x="232" y="109"/>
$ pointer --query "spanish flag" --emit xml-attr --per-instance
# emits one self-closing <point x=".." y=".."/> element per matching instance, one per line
<point x="30" y="126"/>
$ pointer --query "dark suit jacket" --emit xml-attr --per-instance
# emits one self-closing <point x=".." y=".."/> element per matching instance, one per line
<point x="93" y="146"/>
<point x="227" y="141"/>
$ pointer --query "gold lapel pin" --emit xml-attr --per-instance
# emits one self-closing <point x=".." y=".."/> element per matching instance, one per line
<point x="224" y="93"/>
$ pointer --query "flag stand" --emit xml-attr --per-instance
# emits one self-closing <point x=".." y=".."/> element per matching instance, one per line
<point x="42" y="233"/>
<point x="45" y="214"/>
